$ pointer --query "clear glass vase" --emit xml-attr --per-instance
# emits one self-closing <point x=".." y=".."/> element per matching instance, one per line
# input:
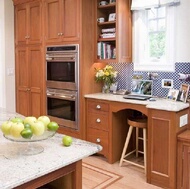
<point x="106" y="88"/>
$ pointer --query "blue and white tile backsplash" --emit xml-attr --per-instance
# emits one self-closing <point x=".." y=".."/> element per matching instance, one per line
<point x="125" y="74"/>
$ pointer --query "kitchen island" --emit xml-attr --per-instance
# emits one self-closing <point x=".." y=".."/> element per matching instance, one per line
<point x="57" y="165"/>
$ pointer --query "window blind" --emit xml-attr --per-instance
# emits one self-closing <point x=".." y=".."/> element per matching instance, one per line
<point x="148" y="4"/>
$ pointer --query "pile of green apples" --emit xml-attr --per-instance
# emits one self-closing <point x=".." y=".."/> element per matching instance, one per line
<point x="27" y="127"/>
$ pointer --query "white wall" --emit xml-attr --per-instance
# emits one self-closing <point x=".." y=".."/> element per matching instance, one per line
<point x="7" y="55"/>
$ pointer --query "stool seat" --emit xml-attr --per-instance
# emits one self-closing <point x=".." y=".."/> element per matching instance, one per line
<point x="138" y="123"/>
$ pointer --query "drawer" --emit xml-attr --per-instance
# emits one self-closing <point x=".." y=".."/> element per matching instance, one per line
<point x="98" y="121"/>
<point x="99" y="137"/>
<point x="95" y="106"/>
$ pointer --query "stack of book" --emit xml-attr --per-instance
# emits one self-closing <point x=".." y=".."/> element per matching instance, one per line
<point x="108" y="33"/>
<point x="105" y="50"/>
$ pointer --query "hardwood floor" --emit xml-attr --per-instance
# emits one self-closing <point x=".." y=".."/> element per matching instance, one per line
<point x="98" y="174"/>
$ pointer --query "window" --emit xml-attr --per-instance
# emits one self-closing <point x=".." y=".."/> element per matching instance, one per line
<point x="153" y="39"/>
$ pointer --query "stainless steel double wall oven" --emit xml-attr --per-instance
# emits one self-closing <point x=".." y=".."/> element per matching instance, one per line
<point x="62" y="71"/>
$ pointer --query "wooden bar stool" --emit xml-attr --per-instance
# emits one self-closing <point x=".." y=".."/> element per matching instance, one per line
<point x="138" y="123"/>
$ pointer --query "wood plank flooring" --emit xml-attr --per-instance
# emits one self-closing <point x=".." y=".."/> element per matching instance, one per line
<point x="98" y="174"/>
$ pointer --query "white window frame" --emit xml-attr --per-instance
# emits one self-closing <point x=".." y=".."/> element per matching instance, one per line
<point x="140" y="31"/>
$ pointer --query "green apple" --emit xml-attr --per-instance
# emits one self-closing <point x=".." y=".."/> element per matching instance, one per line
<point x="6" y="126"/>
<point x="17" y="120"/>
<point x="30" y="119"/>
<point x="27" y="125"/>
<point x="26" y="133"/>
<point x="45" y="120"/>
<point x="38" y="128"/>
<point x="16" y="129"/>
<point x="52" y="126"/>
<point x="67" y="140"/>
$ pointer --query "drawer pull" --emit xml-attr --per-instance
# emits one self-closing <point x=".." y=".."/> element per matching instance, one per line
<point x="98" y="120"/>
<point x="98" y="140"/>
<point x="98" y="107"/>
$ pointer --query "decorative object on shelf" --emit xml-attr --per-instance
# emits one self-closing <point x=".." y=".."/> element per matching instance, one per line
<point x="112" y="17"/>
<point x="103" y="3"/>
<point x="185" y="77"/>
<point x="107" y="75"/>
<point x="101" y="19"/>
<point x="183" y="93"/>
<point x="112" y="1"/>
<point x="173" y="94"/>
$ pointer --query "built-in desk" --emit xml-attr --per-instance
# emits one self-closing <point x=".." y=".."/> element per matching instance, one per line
<point x="166" y="119"/>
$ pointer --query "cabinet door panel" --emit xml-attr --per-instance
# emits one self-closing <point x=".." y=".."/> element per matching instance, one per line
<point x="35" y="64"/>
<point x="71" y="20"/>
<point x="22" y="79"/>
<point x="21" y="24"/>
<point x="35" y="23"/>
<point x="52" y="20"/>
<point x="36" y="80"/>
<point x="23" y="101"/>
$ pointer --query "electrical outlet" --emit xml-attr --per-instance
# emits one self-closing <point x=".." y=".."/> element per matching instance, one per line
<point x="183" y="120"/>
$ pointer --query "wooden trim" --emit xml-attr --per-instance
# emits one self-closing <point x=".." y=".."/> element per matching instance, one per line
<point x="57" y="178"/>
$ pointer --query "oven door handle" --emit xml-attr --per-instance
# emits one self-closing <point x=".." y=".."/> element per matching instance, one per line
<point x="62" y="96"/>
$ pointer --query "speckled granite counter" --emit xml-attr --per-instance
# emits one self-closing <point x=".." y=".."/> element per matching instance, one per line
<point x="17" y="169"/>
<point x="160" y="103"/>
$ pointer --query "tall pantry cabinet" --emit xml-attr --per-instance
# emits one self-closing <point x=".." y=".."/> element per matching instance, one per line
<point x="29" y="57"/>
<point x="42" y="23"/>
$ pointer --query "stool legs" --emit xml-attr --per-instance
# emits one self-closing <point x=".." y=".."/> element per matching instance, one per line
<point x="144" y="145"/>
<point x="126" y="145"/>
<point x="124" y="155"/>
<point x="137" y="141"/>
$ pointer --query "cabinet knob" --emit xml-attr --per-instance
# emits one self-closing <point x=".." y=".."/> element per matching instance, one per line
<point x="98" y="107"/>
<point x="28" y="89"/>
<point x="59" y="34"/>
<point x="98" y="120"/>
<point x="98" y="140"/>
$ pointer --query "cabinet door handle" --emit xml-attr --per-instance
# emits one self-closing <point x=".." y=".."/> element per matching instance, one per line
<point x="59" y="34"/>
<point x="98" y="107"/>
<point x="26" y="37"/>
<point x="98" y="120"/>
<point x="98" y="140"/>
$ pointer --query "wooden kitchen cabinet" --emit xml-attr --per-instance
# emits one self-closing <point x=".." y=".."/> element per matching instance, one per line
<point x="29" y="81"/>
<point x="183" y="160"/>
<point x="98" y="124"/>
<point x="163" y="129"/>
<point x="62" y="20"/>
<point x="113" y="48"/>
<point x="28" y="21"/>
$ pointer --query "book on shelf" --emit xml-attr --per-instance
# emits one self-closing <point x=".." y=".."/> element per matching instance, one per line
<point x="107" y="35"/>
<point x="108" y="30"/>
<point x="105" y="50"/>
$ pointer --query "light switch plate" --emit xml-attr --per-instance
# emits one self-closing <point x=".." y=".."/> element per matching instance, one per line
<point x="183" y="120"/>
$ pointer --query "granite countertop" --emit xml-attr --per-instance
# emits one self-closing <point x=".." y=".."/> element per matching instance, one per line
<point x="160" y="103"/>
<point x="17" y="169"/>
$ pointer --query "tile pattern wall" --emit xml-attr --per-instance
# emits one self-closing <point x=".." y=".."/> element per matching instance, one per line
<point x="126" y="71"/>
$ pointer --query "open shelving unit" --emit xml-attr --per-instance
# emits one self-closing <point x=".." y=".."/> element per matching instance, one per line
<point x="113" y="36"/>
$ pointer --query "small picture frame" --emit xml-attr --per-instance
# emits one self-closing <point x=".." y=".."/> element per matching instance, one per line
<point x="173" y="94"/>
<point x="112" y="17"/>
<point x="183" y="92"/>
<point x="167" y="83"/>
<point x="112" y="1"/>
